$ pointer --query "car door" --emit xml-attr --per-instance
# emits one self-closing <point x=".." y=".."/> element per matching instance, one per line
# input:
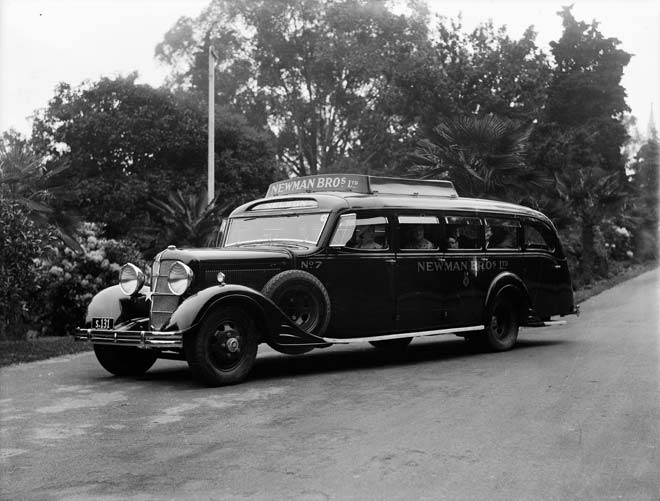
<point x="419" y="272"/>
<point x="359" y="267"/>
<point x="463" y="280"/>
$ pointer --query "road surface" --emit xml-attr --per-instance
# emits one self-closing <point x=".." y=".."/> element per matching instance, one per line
<point x="572" y="413"/>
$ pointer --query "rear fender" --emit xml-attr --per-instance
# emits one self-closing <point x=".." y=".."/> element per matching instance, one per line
<point x="123" y="309"/>
<point x="509" y="283"/>
<point x="271" y="321"/>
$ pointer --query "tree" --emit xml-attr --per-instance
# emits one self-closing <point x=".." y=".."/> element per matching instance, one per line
<point x="580" y="137"/>
<point x="480" y="72"/>
<point x="24" y="181"/>
<point x="126" y="143"/>
<point x="311" y="70"/>
<point x="484" y="157"/>
<point x="645" y="181"/>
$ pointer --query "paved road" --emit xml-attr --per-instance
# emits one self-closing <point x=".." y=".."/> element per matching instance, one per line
<point x="572" y="413"/>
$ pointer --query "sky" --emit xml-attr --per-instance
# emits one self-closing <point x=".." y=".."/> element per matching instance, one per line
<point x="44" y="42"/>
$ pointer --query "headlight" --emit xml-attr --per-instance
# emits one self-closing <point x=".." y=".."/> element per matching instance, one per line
<point x="131" y="279"/>
<point x="180" y="278"/>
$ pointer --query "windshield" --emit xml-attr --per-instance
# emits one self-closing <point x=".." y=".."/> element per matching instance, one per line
<point x="296" y="228"/>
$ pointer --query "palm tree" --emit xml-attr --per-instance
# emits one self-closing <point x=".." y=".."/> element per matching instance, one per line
<point x="21" y="175"/>
<point x="188" y="219"/>
<point x="483" y="156"/>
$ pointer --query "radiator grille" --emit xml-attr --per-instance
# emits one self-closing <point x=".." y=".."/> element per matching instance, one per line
<point x="163" y="302"/>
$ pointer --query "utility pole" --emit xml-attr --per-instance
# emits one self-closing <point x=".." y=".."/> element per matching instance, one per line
<point x="211" y="142"/>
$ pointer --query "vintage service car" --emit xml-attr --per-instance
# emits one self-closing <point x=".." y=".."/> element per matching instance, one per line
<point x="331" y="259"/>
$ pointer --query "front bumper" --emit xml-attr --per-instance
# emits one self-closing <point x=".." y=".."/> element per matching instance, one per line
<point x="138" y="338"/>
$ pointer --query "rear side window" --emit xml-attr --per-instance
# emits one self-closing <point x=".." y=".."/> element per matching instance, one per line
<point x="463" y="232"/>
<point x="538" y="237"/>
<point x="502" y="233"/>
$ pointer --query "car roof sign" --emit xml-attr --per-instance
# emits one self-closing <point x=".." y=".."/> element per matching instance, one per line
<point x="363" y="184"/>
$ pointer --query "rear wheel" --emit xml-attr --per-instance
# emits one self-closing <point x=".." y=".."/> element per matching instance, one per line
<point x="392" y="344"/>
<point x="124" y="360"/>
<point x="224" y="349"/>
<point x="502" y="324"/>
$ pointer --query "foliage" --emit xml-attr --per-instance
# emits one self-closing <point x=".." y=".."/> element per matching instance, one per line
<point x="23" y="180"/>
<point x="581" y="134"/>
<point x="68" y="281"/>
<point x="484" y="157"/>
<point x="646" y="203"/>
<point x="20" y="241"/>
<point x="189" y="220"/>
<point x="309" y="69"/>
<point x="126" y="143"/>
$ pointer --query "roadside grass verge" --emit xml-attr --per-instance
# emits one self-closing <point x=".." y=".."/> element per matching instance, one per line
<point x="21" y="351"/>
<point x="16" y="352"/>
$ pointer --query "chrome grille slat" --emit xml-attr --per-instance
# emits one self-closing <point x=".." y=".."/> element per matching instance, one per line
<point x="163" y="302"/>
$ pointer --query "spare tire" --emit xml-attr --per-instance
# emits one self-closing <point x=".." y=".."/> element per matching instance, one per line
<point x="302" y="297"/>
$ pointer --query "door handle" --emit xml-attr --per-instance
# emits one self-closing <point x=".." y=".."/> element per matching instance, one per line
<point x="558" y="267"/>
<point x="390" y="260"/>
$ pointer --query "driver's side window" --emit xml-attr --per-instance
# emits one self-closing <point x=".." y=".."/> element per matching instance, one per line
<point x="362" y="232"/>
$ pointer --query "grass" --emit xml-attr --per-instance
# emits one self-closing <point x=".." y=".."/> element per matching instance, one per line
<point x="15" y="352"/>
<point x="21" y="351"/>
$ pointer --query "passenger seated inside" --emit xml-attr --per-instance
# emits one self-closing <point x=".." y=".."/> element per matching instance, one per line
<point x="500" y="237"/>
<point x="452" y="242"/>
<point x="416" y="239"/>
<point x="365" y="237"/>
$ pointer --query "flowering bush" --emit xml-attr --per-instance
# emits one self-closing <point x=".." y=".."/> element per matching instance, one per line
<point x="618" y="241"/>
<point x="68" y="281"/>
<point x="20" y="240"/>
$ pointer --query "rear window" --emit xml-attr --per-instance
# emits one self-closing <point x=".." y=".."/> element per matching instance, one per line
<point x="538" y="237"/>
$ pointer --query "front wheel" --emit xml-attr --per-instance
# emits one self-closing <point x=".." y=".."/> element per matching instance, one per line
<point x="502" y="325"/>
<point x="224" y="349"/>
<point x="124" y="360"/>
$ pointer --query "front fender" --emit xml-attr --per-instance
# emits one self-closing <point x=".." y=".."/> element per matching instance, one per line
<point x="113" y="303"/>
<point x="276" y="326"/>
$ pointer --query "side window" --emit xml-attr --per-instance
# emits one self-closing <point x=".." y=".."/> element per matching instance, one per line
<point x="419" y="232"/>
<point x="356" y="231"/>
<point x="463" y="233"/>
<point x="538" y="237"/>
<point x="502" y="233"/>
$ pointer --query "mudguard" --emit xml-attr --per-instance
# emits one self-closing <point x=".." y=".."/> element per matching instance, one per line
<point x="124" y="310"/>
<point x="506" y="280"/>
<point x="278" y="329"/>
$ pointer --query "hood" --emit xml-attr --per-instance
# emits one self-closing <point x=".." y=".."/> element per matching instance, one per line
<point x="249" y="267"/>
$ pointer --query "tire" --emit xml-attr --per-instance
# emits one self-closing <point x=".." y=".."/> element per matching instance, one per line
<point x="124" y="360"/>
<point x="303" y="298"/>
<point x="392" y="344"/>
<point x="224" y="349"/>
<point x="502" y="324"/>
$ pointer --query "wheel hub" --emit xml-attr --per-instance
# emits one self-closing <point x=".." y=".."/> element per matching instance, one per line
<point x="232" y="345"/>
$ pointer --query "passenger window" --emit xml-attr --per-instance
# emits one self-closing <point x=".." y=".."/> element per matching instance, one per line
<point x="538" y="238"/>
<point x="463" y="233"/>
<point x="419" y="232"/>
<point x="502" y="233"/>
<point x="355" y="231"/>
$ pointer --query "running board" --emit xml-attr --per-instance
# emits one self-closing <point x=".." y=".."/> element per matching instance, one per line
<point x="554" y="322"/>
<point x="454" y="330"/>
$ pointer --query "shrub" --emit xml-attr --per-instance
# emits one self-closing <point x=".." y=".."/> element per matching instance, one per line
<point x="20" y="242"/>
<point x="68" y="281"/>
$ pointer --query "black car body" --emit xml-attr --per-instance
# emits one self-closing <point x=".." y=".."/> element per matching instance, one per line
<point x="334" y="259"/>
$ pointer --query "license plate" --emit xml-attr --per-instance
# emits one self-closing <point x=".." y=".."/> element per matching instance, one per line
<point x="103" y="323"/>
